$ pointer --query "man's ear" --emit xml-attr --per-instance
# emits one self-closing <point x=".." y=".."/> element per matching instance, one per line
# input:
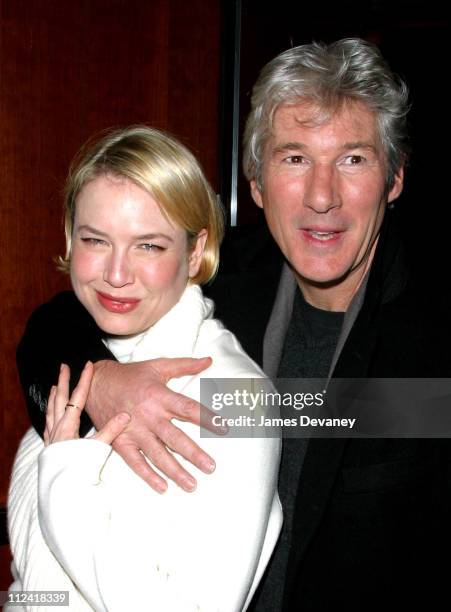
<point x="197" y="253"/>
<point x="256" y="193"/>
<point x="398" y="184"/>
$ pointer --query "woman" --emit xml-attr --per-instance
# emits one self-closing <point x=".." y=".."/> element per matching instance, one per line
<point x="143" y="229"/>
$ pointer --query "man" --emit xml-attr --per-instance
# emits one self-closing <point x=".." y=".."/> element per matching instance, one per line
<point x="366" y="521"/>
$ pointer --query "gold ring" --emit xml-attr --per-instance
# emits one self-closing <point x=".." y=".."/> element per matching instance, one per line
<point x="72" y="406"/>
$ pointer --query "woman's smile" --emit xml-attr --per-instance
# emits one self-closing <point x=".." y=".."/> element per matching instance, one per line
<point x="116" y="304"/>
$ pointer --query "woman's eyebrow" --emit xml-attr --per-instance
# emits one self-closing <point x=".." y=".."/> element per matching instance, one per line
<point x="90" y="228"/>
<point x="154" y="235"/>
<point x="149" y="236"/>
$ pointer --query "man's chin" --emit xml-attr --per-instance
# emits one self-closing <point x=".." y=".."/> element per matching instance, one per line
<point x="326" y="278"/>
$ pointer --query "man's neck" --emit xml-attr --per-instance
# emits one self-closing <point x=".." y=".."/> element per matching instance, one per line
<point x="335" y="297"/>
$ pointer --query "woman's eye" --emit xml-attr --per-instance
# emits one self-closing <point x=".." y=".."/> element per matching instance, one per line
<point x="149" y="246"/>
<point x="93" y="241"/>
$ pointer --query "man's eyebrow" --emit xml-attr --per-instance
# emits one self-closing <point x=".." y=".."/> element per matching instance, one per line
<point x="288" y="146"/>
<point x="151" y="236"/>
<point x="359" y="144"/>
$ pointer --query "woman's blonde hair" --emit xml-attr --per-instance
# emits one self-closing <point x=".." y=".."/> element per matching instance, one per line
<point x="167" y="170"/>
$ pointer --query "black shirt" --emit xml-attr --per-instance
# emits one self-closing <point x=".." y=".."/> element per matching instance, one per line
<point x="308" y="350"/>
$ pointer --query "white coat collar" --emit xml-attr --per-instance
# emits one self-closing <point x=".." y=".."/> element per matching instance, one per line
<point x="174" y="335"/>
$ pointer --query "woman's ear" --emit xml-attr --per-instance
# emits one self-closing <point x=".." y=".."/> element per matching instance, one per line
<point x="197" y="253"/>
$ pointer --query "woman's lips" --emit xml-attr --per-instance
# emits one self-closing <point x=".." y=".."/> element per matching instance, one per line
<point x="115" y="304"/>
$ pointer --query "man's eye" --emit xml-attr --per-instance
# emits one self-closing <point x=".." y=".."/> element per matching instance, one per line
<point x="354" y="160"/>
<point x="294" y="159"/>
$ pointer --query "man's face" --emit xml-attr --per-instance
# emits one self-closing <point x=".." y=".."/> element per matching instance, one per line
<point x="324" y="194"/>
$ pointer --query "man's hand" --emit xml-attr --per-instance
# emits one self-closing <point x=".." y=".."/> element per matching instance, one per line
<point x="140" y="390"/>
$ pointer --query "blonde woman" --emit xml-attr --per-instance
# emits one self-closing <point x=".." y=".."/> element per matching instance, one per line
<point x="143" y="229"/>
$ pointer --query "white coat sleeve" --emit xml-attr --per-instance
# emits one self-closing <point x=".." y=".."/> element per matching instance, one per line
<point x="73" y="509"/>
<point x="35" y="568"/>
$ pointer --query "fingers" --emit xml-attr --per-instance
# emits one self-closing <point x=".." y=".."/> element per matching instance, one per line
<point x="183" y="445"/>
<point x="49" y="415"/>
<point x="187" y="409"/>
<point x="63" y="415"/>
<point x="81" y="391"/>
<point x="135" y="460"/>
<point x="175" y="368"/>
<point x="70" y="421"/>
<point x="165" y="461"/>
<point x="206" y="421"/>
<point x="62" y="393"/>
<point x="113" y="428"/>
<point x="164" y="433"/>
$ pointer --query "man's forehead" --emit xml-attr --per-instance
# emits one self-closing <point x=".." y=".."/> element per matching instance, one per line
<point x="353" y="116"/>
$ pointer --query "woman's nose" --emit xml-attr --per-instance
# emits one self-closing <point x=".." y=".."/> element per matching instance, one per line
<point x="118" y="271"/>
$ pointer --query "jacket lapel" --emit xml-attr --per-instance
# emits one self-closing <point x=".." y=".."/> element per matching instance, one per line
<point x="278" y="322"/>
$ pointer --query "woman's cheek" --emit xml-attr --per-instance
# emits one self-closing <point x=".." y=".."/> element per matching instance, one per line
<point x="84" y="266"/>
<point x="164" y="272"/>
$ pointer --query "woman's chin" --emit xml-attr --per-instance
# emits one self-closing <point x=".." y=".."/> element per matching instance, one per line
<point x="119" y="326"/>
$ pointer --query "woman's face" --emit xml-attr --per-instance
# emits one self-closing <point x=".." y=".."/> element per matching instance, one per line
<point x="129" y="263"/>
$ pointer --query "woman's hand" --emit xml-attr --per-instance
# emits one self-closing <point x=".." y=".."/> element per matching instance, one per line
<point x="63" y="414"/>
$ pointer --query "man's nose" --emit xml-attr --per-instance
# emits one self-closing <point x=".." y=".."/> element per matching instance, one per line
<point x="118" y="271"/>
<point x="321" y="194"/>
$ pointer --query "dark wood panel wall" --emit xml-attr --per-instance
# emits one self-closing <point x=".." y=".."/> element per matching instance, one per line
<point x="68" y="69"/>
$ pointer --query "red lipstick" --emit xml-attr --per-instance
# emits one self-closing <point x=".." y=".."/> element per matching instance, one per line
<point x="120" y="305"/>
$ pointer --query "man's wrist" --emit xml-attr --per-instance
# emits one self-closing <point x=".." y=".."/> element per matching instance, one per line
<point x="95" y="389"/>
<point x="100" y="398"/>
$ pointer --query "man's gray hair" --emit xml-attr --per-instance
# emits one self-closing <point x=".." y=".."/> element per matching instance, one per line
<point x="350" y="69"/>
